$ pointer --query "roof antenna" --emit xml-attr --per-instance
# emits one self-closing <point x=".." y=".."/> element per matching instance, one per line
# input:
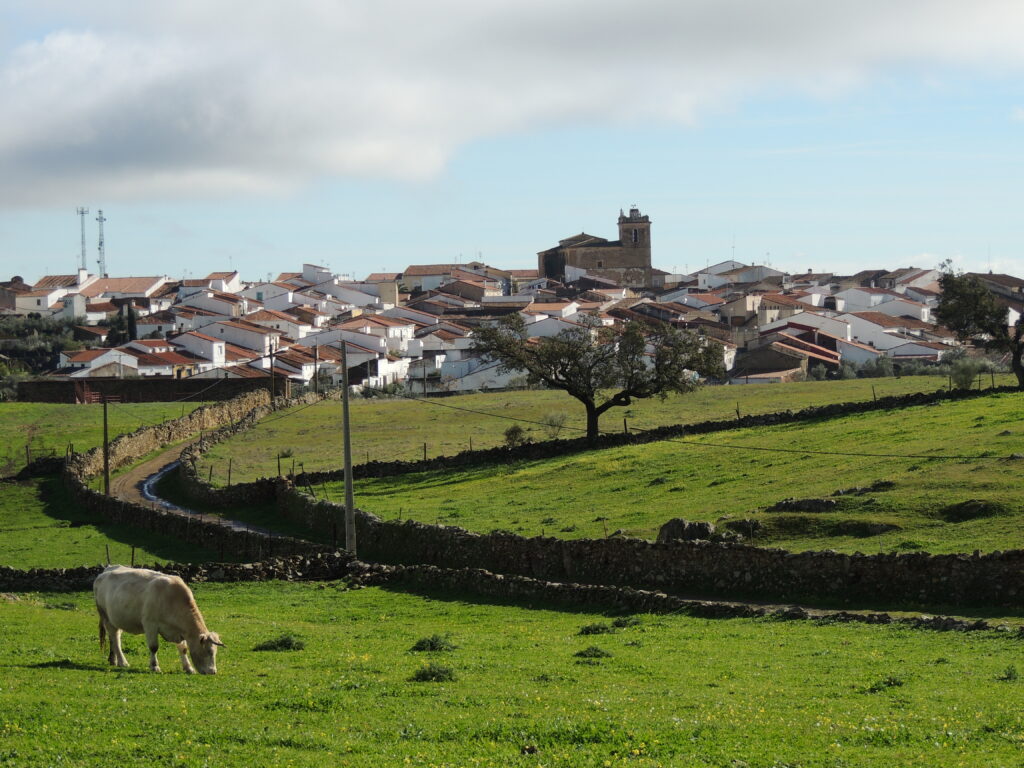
<point x="102" y="260"/>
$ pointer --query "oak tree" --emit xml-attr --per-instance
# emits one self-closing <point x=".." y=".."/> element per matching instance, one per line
<point x="600" y="366"/>
<point x="973" y="312"/>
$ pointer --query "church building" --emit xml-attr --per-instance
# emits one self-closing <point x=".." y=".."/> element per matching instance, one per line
<point x="627" y="260"/>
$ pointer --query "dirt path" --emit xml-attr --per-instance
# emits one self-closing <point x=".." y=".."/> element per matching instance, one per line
<point x="128" y="486"/>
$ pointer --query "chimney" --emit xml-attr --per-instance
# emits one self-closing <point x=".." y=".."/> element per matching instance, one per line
<point x="83" y="275"/>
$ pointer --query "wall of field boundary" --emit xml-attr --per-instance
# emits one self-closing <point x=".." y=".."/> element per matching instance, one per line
<point x="79" y="468"/>
<point x="426" y="579"/>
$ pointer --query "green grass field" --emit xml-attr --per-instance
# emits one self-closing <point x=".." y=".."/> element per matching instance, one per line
<point x="310" y="437"/>
<point x="46" y="427"/>
<point x="40" y="527"/>
<point x="636" y="489"/>
<point x="671" y="690"/>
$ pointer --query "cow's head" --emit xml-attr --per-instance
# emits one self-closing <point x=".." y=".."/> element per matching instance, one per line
<point x="204" y="653"/>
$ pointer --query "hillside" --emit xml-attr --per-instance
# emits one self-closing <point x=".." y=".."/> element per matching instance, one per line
<point x="738" y="474"/>
<point x="397" y="428"/>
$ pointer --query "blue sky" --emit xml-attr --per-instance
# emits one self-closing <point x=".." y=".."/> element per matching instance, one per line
<point x="809" y="139"/>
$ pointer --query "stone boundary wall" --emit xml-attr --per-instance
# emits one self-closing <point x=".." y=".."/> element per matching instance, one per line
<point x="685" y="567"/>
<point x="209" y="533"/>
<point x="515" y="589"/>
<point x="557" y="448"/>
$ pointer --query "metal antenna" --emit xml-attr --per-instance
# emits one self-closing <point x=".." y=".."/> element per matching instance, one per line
<point x="102" y="260"/>
<point x="81" y="214"/>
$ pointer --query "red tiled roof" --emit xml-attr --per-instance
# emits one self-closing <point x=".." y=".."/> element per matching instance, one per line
<point x="141" y="285"/>
<point x="419" y="270"/>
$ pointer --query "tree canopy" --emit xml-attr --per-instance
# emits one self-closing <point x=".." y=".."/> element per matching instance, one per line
<point x="973" y="312"/>
<point x="603" y="367"/>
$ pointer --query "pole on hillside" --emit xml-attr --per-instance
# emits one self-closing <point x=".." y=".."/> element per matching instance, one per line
<point x="278" y="464"/>
<point x="273" y="383"/>
<point x="229" y="470"/>
<point x="316" y="369"/>
<point x="106" y="452"/>
<point x="993" y="375"/>
<point x="350" y="510"/>
<point x="625" y="426"/>
<point x="424" y="451"/>
<point x="873" y="395"/>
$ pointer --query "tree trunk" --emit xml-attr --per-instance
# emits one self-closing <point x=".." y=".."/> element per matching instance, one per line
<point x="592" y="417"/>
<point x="1015" y="363"/>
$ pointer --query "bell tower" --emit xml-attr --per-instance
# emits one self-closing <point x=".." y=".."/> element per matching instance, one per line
<point x="635" y="230"/>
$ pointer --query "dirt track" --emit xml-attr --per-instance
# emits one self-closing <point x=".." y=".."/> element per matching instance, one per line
<point x="128" y="486"/>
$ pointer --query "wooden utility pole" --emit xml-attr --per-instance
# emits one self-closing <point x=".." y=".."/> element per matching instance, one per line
<point x="350" y="509"/>
<point x="316" y="369"/>
<point x="106" y="451"/>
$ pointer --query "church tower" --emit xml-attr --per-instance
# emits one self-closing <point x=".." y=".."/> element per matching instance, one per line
<point x="635" y="231"/>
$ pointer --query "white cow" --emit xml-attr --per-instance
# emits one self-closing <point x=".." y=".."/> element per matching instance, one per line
<point x="146" y="602"/>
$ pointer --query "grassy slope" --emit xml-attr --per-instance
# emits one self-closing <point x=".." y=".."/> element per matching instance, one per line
<point x="397" y="429"/>
<point x="41" y="528"/>
<point x="641" y="487"/>
<point x="45" y="426"/>
<point x="676" y="691"/>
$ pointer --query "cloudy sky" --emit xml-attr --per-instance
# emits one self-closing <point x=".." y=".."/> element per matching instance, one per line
<point x="368" y="135"/>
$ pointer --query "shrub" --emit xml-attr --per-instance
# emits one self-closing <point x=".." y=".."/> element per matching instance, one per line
<point x="515" y="436"/>
<point x="626" y="621"/>
<point x="884" y="683"/>
<point x="434" y="644"/>
<point x="1009" y="674"/>
<point x="595" y="629"/>
<point x="964" y="372"/>
<point x="433" y="673"/>
<point x="553" y="423"/>
<point x="593" y="652"/>
<point x="817" y="372"/>
<point x="286" y="642"/>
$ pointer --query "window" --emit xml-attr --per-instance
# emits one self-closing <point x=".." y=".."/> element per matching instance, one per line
<point x="600" y="264"/>
<point x="636" y="235"/>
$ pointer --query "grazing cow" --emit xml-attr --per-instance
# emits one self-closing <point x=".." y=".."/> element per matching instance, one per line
<point x="157" y="605"/>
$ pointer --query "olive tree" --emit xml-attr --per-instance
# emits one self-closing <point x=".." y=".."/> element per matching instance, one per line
<point x="600" y="366"/>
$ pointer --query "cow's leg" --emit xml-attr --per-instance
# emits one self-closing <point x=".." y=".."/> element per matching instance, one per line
<point x="185" y="663"/>
<point x="116" y="654"/>
<point x="153" y="643"/>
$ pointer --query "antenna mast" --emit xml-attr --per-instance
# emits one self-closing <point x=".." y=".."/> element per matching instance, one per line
<point x="102" y="260"/>
<point x="81" y="214"/>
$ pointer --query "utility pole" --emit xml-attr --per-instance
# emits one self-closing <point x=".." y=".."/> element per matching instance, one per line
<point x="316" y="369"/>
<point x="106" y="451"/>
<point x="350" y="510"/>
<point x="273" y="389"/>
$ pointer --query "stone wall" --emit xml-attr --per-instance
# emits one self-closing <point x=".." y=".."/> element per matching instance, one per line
<point x="338" y="566"/>
<point x="685" y="567"/>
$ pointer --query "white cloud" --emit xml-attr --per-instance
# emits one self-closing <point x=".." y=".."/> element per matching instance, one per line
<point x="145" y="100"/>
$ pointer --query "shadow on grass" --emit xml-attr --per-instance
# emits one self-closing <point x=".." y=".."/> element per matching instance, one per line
<point x="58" y="504"/>
<point x="815" y="605"/>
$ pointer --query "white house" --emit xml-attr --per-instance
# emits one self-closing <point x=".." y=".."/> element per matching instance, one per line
<point x="204" y="346"/>
<point x="249" y="335"/>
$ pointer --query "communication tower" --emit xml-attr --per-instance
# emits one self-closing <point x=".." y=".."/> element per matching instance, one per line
<point x="102" y="260"/>
<point x="81" y="215"/>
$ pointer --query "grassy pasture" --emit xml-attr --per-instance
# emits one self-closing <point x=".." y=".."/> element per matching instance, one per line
<point x="310" y="436"/>
<point x="40" y="527"/>
<point x="638" y="488"/>
<point x="671" y="691"/>
<point x="52" y="426"/>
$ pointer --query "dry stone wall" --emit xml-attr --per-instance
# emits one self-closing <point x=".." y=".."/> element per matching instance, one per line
<point x="685" y="567"/>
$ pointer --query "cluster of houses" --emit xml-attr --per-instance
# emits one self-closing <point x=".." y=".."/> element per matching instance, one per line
<point x="416" y="327"/>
